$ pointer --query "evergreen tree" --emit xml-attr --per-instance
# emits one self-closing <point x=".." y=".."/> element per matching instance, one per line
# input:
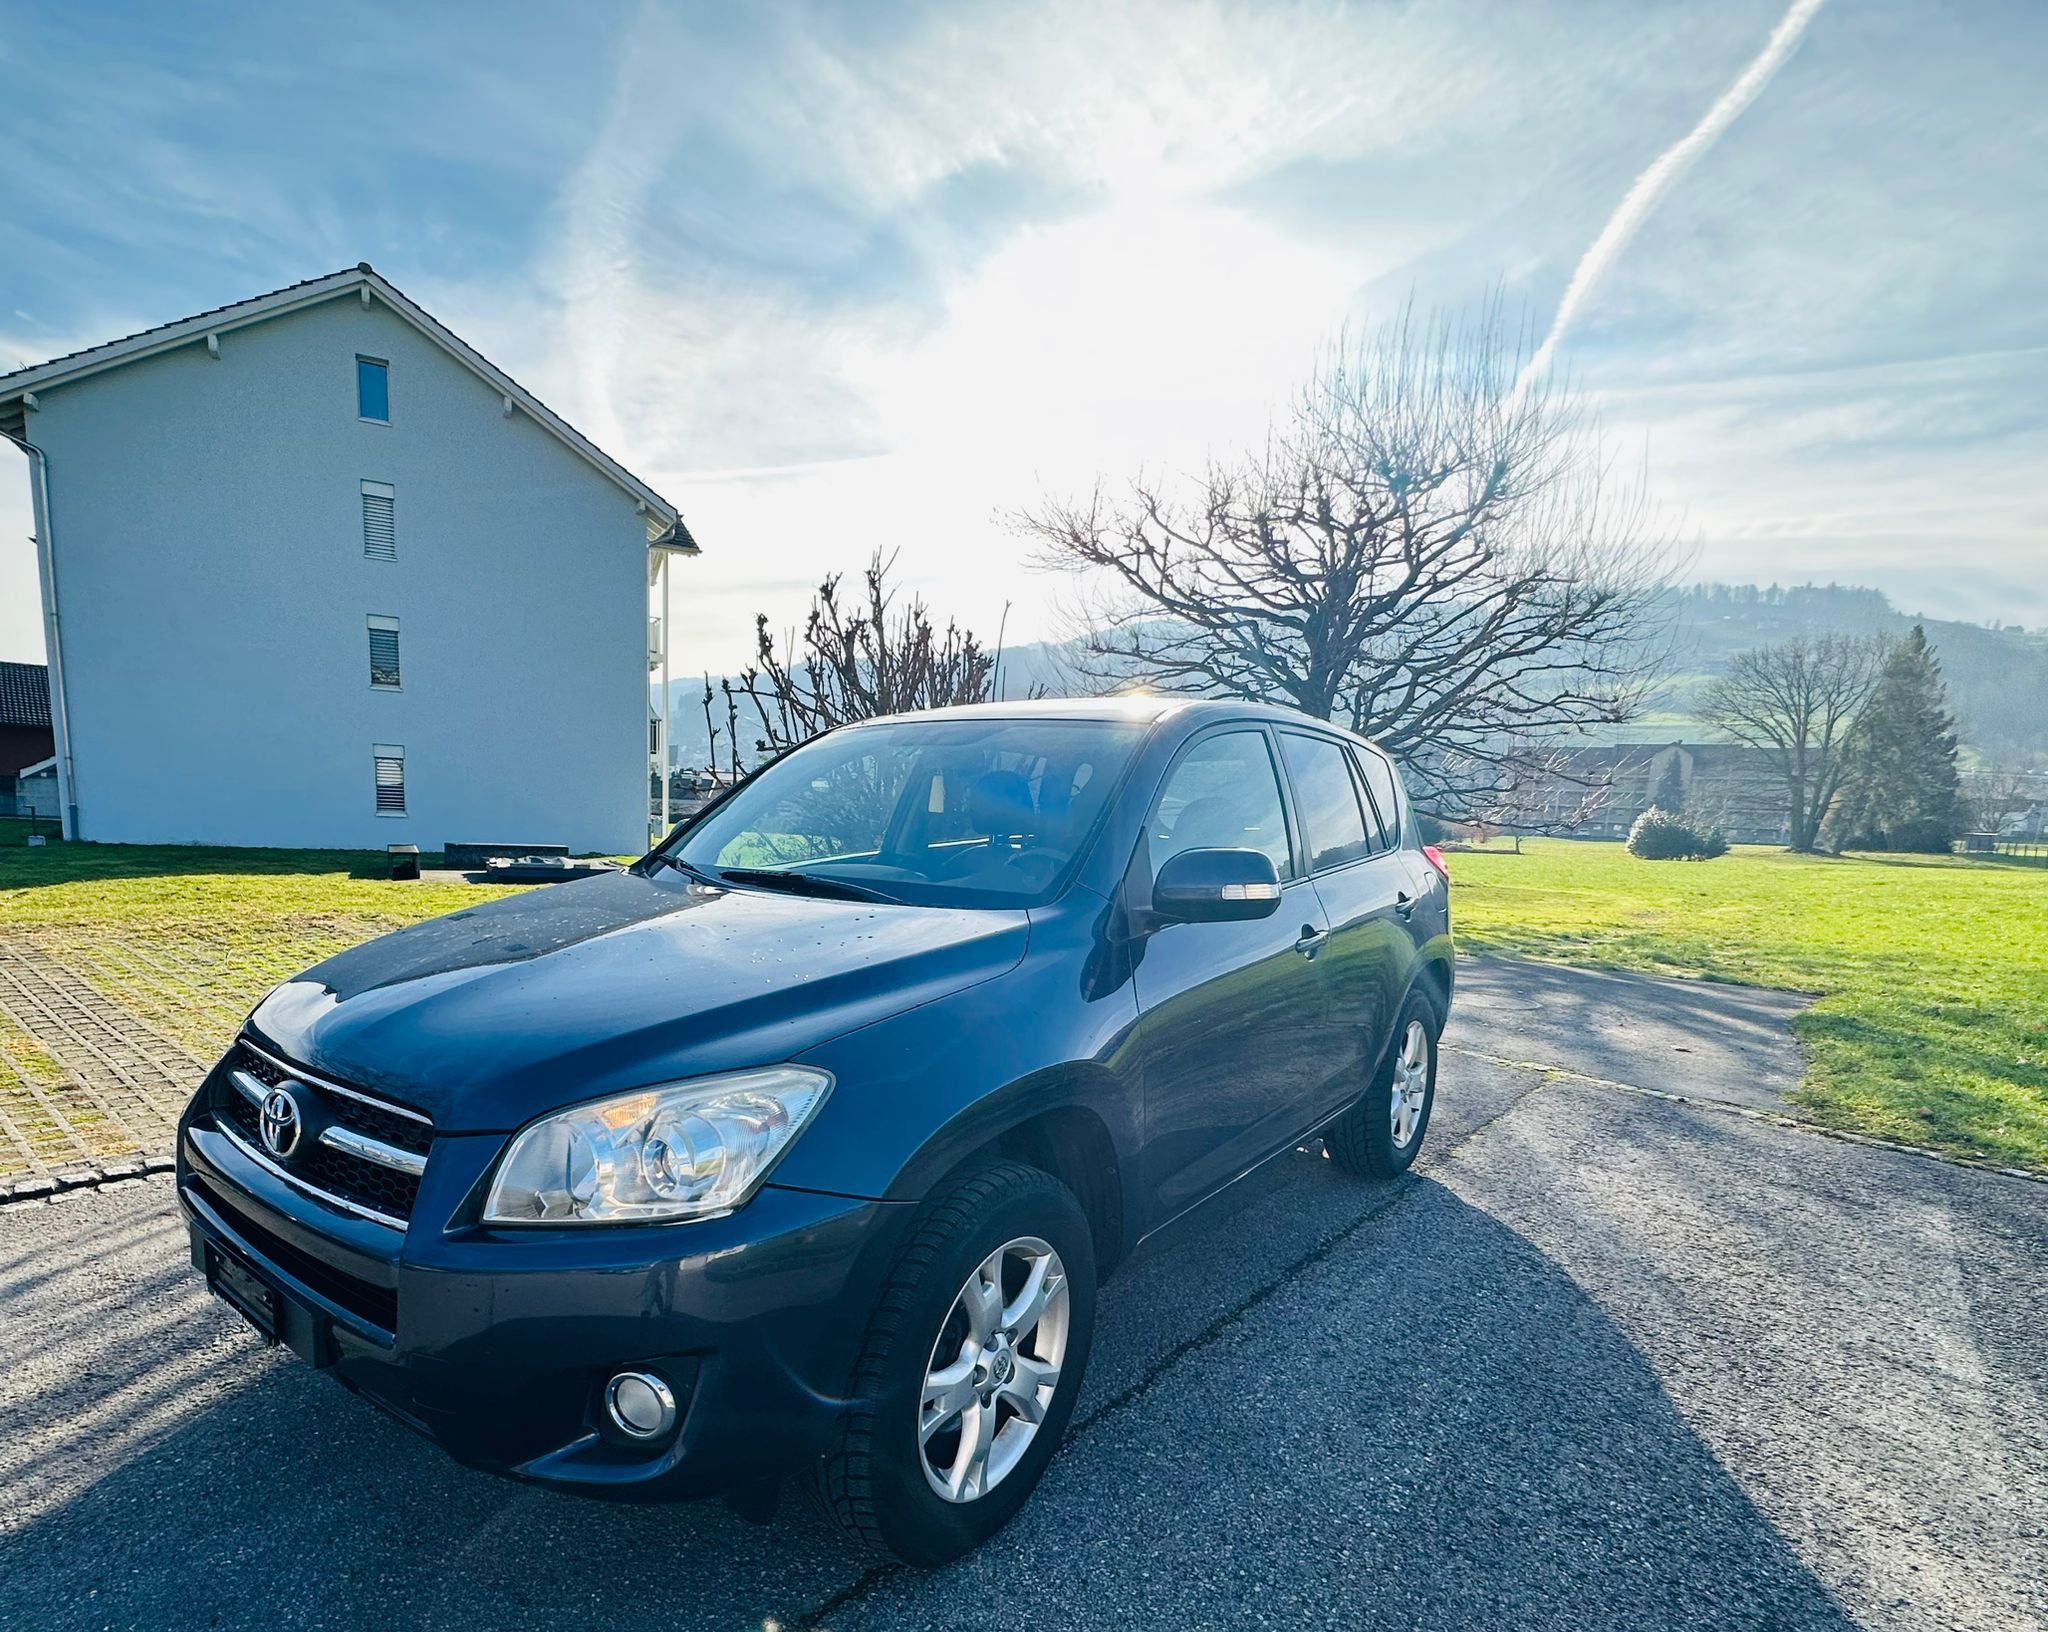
<point x="1901" y="792"/>
<point x="1670" y="791"/>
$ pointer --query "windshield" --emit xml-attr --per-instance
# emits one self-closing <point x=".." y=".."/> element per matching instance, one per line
<point x="987" y="813"/>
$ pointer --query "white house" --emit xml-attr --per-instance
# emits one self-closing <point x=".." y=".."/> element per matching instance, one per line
<point x="316" y="573"/>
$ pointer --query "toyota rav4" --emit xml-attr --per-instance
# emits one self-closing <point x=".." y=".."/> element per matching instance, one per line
<point x="802" y="1146"/>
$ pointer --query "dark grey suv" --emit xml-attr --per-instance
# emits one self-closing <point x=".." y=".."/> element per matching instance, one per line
<point x="801" y="1147"/>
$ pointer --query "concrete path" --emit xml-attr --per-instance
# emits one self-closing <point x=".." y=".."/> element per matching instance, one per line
<point x="1603" y="1362"/>
<point x="1696" y="1038"/>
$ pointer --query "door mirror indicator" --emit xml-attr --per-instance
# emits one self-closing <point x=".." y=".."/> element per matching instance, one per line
<point x="1216" y="886"/>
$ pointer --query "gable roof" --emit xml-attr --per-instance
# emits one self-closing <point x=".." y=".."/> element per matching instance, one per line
<point x="24" y="694"/>
<point x="367" y="285"/>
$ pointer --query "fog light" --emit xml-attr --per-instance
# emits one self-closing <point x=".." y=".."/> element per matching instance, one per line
<point x="640" y="1405"/>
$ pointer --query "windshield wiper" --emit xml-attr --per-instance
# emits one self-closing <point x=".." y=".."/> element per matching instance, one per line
<point x="775" y="878"/>
<point x="700" y="874"/>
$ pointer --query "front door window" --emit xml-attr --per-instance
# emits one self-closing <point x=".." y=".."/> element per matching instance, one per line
<point x="1223" y="795"/>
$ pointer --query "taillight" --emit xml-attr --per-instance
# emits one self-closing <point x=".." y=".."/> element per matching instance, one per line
<point x="1435" y="857"/>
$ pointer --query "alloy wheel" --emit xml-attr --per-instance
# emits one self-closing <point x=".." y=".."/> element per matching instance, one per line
<point x="1411" y="1083"/>
<point x="994" y="1369"/>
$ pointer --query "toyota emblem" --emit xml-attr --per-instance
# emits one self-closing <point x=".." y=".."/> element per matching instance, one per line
<point x="279" y="1122"/>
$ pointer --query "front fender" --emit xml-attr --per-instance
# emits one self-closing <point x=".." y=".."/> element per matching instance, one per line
<point x="919" y="1091"/>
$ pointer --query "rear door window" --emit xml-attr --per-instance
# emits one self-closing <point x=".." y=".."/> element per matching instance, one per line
<point x="1327" y="798"/>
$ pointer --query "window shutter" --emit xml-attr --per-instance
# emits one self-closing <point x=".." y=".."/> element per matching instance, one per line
<point x="384" y="652"/>
<point x="380" y="528"/>
<point x="390" y="764"/>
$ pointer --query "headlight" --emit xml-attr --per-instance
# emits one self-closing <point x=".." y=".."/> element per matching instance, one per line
<point x="690" y="1150"/>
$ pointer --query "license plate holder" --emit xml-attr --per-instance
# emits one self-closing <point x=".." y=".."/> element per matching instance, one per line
<point x="243" y="1290"/>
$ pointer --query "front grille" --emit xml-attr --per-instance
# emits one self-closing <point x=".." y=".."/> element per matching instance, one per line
<point x="317" y="1163"/>
<point x="376" y="1304"/>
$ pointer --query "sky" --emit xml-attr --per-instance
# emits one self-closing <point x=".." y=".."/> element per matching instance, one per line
<point x="843" y="277"/>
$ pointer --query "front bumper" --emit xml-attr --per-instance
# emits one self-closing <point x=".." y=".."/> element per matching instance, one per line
<point x="497" y="1343"/>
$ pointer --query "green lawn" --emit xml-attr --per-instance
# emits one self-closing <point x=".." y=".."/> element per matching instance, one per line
<point x="1933" y="1026"/>
<point x="14" y="831"/>
<point x="187" y="938"/>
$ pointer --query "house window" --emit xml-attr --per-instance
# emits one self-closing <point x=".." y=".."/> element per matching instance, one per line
<point x="384" y="653"/>
<point x="373" y="389"/>
<point x="389" y="760"/>
<point x="380" y="526"/>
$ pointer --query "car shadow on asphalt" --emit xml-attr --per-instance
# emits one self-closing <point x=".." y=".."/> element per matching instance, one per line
<point x="1397" y="1412"/>
<point x="1705" y="1039"/>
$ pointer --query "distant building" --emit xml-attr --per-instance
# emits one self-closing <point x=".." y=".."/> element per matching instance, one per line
<point x="1727" y="783"/>
<point x="25" y="735"/>
<point x="323" y="575"/>
<point x="35" y="791"/>
<point x="2027" y="822"/>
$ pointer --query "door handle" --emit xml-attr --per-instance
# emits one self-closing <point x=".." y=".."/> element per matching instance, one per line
<point x="1405" y="904"/>
<point x="1310" y="941"/>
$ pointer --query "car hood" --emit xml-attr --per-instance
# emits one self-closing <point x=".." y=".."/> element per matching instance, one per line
<point x="487" y="1018"/>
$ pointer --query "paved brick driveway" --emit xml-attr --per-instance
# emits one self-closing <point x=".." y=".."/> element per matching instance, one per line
<point x="85" y="1084"/>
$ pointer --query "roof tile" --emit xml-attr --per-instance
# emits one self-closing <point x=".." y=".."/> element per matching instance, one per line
<point x="24" y="694"/>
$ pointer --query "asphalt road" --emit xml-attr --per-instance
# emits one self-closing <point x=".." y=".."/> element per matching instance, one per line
<point x="1604" y="1361"/>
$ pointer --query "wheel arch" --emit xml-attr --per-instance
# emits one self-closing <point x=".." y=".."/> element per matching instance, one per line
<point x="1434" y="979"/>
<point x="1050" y="1121"/>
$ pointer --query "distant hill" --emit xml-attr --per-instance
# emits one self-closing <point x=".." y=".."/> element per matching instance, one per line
<point x="1997" y="677"/>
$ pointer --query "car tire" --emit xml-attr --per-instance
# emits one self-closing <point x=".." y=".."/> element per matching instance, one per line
<point x="1379" y="1136"/>
<point x="880" y="1480"/>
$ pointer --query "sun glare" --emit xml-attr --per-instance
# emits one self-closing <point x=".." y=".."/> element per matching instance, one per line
<point x="1147" y="332"/>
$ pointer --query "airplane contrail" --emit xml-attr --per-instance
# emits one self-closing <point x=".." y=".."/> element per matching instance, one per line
<point x="1666" y="168"/>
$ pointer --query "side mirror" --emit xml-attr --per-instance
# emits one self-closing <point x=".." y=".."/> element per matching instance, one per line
<point x="1216" y="887"/>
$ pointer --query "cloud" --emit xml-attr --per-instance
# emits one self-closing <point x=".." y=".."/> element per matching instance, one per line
<point x="926" y="267"/>
<point x="844" y="276"/>
<point x="1663" y="173"/>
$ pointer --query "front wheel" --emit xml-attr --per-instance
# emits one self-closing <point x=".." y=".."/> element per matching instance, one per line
<point x="1380" y="1135"/>
<point x="970" y="1368"/>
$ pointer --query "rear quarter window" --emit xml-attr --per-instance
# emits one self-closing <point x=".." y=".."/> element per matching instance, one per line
<point x="1381" y="783"/>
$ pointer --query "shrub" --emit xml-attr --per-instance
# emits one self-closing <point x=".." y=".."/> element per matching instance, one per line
<point x="1925" y="835"/>
<point x="1660" y="836"/>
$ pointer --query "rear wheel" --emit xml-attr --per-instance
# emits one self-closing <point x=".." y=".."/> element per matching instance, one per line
<point x="970" y="1368"/>
<point x="1380" y="1135"/>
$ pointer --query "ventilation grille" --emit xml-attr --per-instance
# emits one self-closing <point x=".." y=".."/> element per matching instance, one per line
<point x="380" y="529"/>
<point x="318" y="1162"/>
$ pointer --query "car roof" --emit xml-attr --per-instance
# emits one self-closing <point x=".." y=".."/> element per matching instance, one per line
<point x="1141" y="708"/>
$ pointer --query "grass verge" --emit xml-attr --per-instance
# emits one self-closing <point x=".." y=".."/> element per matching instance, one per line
<point x="1933" y="1024"/>
<point x="183" y="940"/>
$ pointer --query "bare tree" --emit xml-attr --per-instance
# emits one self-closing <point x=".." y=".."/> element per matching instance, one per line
<point x="1422" y="549"/>
<point x="722" y="691"/>
<point x="1996" y="792"/>
<point x="1797" y="702"/>
<point x="853" y="661"/>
